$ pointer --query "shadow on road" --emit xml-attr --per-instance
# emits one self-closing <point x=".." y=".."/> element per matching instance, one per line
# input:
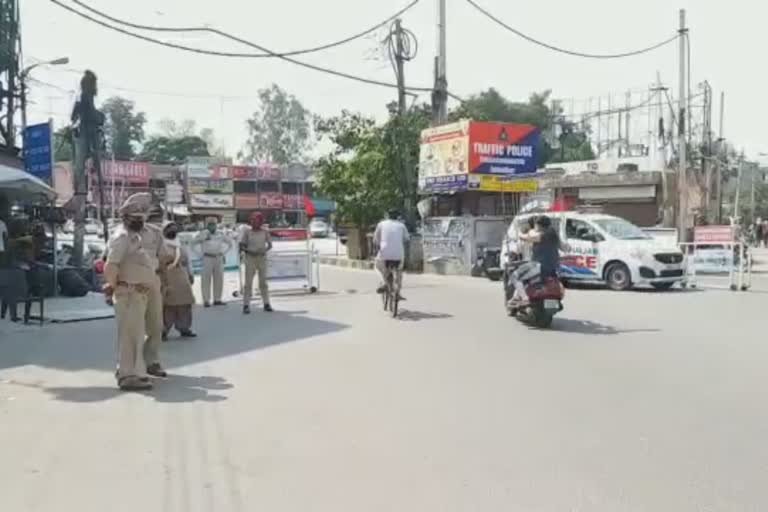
<point x="176" y="389"/>
<point x="592" y="328"/>
<point x="417" y="316"/>
<point x="223" y="332"/>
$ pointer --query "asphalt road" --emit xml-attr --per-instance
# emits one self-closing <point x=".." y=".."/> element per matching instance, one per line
<point x="635" y="401"/>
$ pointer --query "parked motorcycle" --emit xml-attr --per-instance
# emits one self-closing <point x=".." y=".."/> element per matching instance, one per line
<point x="488" y="264"/>
<point x="545" y="300"/>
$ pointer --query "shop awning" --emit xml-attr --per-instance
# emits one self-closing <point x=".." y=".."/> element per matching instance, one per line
<point x="18" y="184"/>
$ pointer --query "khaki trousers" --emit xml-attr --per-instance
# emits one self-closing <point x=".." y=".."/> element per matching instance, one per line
<point x="154" y="323"/>
<point x="213" y="271"/>
<point x="130" y="313"/>
<point x="254" y="264"/>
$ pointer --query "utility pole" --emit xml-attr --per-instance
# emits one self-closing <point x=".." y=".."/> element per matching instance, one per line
<point x="737" y="201"/>
<point x="753" y="168"/>
<point x="720" y="162"/>
<point x="400" y="63"/>
<point x="440" y="92"/>
<point x="401" y="51"/>
<point x="682" y="182"/>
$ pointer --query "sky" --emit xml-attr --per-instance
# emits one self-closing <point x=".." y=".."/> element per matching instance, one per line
<point x="220" y="93"/>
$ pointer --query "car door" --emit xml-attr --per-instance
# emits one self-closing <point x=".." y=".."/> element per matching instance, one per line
<point x="581" y="255"/>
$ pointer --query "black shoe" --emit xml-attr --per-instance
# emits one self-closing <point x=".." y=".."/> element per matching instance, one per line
<point x="268" y="308"/>
<point x="134" y="384"/>
<point x="156" y="370"/>
<point x="246" y="310"/>
<point x="218" y="303"/>
<point x="381" y="289"/>
<point x="165" y="336"/>
<point x="188" y="334"/>
<point x="206" y="305"/>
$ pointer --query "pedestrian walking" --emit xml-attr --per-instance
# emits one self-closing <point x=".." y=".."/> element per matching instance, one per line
<point x="153" y="243"/>
<point x="130" y="274"/>
<point x="215" y="245"/>
<point x="177" y="277"/>
<point x="255" y="243"/>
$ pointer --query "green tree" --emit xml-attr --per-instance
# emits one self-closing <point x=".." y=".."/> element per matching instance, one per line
<point x="363" y="172"/>
<point x="62" y="144"/>
<point x="125" y="127"/>
<point x="161" y="149"/>
<point x="280" y="130"/>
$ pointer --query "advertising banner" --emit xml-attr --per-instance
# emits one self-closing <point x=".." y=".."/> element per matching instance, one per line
<point x="199" y="167"/>
<point x="221" y="172"/>
<point x="266" y="172"/>
<point x="260" y="201"/>
<point x="293" y="202"/>
<point x="203" y="186"/>
<point x="454" y="183"/>
<point x="714" y="235"/>
<point x="508" y="149"/>
<point x="129" y="172"/>
<point x="486" y="183"/>
<point x="211" y="201"/>
<point x="444" y="151"/>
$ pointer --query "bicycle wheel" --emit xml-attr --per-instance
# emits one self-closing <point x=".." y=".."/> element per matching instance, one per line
<point x="394" y="293"/>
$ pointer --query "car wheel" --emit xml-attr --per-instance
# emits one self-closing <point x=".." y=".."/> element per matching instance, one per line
<point x="618" y="277"/>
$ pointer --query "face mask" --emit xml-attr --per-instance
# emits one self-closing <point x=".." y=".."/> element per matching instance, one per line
<point x="212" y="228"/>
<point x="171" y="235"/>
<point x="136" y="224"/>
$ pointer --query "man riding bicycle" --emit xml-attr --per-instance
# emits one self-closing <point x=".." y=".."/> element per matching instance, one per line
<point x="390" y="237"/>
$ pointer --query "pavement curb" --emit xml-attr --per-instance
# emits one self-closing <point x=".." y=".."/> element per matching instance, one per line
<point x="346" y="263"/>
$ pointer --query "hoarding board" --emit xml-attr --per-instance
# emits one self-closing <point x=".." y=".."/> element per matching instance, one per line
<point x="204" y="186"/>
<point x="264" y="172"/>
<point x="455" y="183"/>
<point x="506" y="149"/>
<point x="485" y="183"/>
<point x="211" y="201"/>
<point x="444" y="151"/>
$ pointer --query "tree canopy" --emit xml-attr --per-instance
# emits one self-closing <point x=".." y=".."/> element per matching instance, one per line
<point x="280" y="130"/>
<point x="125" y="127"/>
<point x="161" y="149"/>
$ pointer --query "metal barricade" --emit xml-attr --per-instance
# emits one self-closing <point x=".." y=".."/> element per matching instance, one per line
<point x="720" y="261"/>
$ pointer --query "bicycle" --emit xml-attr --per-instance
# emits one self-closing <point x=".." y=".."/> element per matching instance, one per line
<point x="391" y="296"/>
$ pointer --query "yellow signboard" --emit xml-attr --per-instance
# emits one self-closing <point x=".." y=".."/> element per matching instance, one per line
<point x="485" y="183"/>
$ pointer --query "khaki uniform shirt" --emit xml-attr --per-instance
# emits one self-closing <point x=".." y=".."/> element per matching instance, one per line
<point x="255" y="242"/>
<point x="128" y="254"/>
<point x="153" y="243"/>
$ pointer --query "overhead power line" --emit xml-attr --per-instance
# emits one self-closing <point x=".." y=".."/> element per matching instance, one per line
<point x="307" y="65"/>
<point x="564" y="50"/>
<point x="265" y="54"/>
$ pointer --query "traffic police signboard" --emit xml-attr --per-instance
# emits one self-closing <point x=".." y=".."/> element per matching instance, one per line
<point x="38" y="150"/>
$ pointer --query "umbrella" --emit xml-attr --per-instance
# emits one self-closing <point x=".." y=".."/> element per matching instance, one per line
<point x="18" y="184"/>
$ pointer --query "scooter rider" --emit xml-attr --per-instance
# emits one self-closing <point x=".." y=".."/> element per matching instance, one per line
<point x="545" y="258"/>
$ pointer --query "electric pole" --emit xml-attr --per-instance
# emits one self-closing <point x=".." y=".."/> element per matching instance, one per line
<point x="440" y="92"/>
<point x="400" y="64"/>
<point x="720" y="161"/>
<point x="736" y="202"/>
<point x="682" y="182"/>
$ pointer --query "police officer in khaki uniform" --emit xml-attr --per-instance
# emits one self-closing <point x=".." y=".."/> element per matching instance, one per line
<point x="255" y="242"/>
<point x="215" y="245"/>
<point x="154" y="244"/>
<point x="130" y="274"/>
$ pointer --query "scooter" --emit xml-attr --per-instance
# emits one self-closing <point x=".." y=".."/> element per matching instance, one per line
<point x="545" y="300"/>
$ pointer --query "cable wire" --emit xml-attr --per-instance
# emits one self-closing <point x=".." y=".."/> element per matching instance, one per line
<point x="266" y="54"/>
<point x="573" y="53"/>
<point x="307" y="65"/>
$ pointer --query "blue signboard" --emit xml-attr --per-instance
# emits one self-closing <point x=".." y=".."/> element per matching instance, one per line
<point x="38" y="151"/>
<point x="454" y="183"/>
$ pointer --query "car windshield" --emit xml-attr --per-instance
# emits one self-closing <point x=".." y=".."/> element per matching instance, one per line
<point x="621" y="229"/>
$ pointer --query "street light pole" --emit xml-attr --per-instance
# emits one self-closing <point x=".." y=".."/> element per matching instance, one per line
<point x="23" y="79"/>
<point x="682" y="140"/>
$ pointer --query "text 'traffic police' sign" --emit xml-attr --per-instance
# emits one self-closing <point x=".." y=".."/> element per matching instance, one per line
<point x="38" y="150"/>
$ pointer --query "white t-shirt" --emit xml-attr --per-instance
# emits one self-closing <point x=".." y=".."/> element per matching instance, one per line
<point x="3" y="234"/>
<point x="391" y="236"/>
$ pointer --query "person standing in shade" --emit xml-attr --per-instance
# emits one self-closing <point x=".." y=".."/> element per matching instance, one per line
<point x="215" y="245"/>
<point x="130" y="275"/>
<point x="255" y="243"/>
<point x="178" y="278"/>
<point x="3" y="243"/>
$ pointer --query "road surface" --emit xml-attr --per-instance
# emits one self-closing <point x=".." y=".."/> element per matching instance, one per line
<point x="636" y="401"/>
